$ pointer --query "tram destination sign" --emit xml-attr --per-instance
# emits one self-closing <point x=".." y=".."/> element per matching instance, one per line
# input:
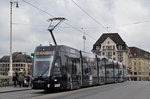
<point x="44" y="53"/>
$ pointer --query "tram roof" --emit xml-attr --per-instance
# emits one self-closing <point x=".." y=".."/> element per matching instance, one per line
<point x="63" y="48"/>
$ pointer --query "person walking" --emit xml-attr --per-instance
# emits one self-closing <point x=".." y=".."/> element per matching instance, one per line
<point x="15" y="79"/>
<point x="21" y="78"/>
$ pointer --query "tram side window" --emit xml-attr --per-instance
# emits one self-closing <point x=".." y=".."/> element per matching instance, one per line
<point x="74" y="70"/>
<point x="85" y="67"/>
<point x="69" y="66"/>
<point x="72" y="66"/>
<point x="94" y="69"/>
<point x="57" y="66"/>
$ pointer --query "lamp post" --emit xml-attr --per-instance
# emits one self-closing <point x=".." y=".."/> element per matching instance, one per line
<point x="11" y="4"/>
<point x="84" y="38"/>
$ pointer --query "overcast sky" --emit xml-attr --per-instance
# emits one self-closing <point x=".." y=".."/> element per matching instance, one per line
<point x="129" y="18"/>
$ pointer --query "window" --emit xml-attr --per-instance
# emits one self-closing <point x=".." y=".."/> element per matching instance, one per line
<point x="134" y="63"/>
<point x="120" y="47"/>
<point x="109" y="53"/>
<point x="109" y="47"/>
<point x="113" y="47"/>
<point x="135" y="73"/>
<point x="134" y="68"/>
<point x="97" y="47"/>
<point x="120" y="54"/>
<point x="103" y="53"/>
<point x="113" y="53"/>
<point x="114" y="58"/>
<point x="130" y="63"/>
<point x="57" y="66"/>
<point x="103" y="47"/>
<point x="139" y="73"/>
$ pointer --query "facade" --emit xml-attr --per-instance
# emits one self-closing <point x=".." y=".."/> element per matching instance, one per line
<point x="20" y="61"/>
<point x="138" y="64"/>
<point x="112" y="46"/>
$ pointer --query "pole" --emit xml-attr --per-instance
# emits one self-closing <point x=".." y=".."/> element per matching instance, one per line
<point x="105" y="70"/>
<point x="97" y="69"/>
<point x="84" y="41"/>
<point x="113" y="71"/>
<point x="83" y="44"/>
<point x="10" y="70"/>
<point x="118" y="71"/>
<point x="81" y="61"/>
<point x="123" y="72"/>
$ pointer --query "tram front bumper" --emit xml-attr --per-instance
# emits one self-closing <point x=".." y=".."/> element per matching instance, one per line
<point x="45" y="85"/>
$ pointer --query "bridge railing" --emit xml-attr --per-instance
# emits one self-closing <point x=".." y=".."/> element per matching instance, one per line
<point x="5" y="81"/>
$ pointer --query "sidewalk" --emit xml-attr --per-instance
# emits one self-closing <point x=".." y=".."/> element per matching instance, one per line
<point x="13" y="89"/>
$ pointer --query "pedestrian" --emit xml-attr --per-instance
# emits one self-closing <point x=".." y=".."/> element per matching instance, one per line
<point x="16" y="73"/>
<point x="28" y="80"/>
<point x="21" y="78"/>
<point x="15" y="79"/>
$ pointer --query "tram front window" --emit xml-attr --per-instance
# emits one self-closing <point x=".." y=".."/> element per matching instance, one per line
<point x="41" y="66"/>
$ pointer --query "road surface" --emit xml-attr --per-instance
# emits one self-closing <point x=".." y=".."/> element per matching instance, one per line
<point x="125" y="90"/>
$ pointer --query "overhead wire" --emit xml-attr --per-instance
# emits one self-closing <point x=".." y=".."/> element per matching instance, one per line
<point x="90" y="16"/>
<point x="53" y="16"/>
<point x="41" y="25"/>
<point x="37" y="8"/>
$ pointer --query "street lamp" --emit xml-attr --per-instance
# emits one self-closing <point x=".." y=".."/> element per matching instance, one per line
<point x="11" y="4"/>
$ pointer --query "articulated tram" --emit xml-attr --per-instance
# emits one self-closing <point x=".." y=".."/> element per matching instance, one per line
<point x="63" y="67"/>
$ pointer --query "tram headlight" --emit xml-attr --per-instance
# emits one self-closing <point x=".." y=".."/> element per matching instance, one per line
<point x="48" y="85"/>
<point x="55" y="80"/>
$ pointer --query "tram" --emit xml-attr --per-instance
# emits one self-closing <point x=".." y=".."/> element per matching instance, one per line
<point x="63" y="67"/>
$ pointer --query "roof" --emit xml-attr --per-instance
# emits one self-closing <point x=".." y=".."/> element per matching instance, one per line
<point x="17" y="57"/>
<point x="115" y="37"/>
<point x="137" y="52"/>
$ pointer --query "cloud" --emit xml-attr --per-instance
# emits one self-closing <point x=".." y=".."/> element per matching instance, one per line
<point x="30" y="28"/>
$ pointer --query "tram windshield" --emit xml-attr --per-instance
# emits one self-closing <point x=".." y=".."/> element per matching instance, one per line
<point x="42" y="65"/>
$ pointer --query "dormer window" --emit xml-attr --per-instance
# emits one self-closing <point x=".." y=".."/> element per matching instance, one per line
<point x="120" y="47"/>
<point x="97" y="47"/>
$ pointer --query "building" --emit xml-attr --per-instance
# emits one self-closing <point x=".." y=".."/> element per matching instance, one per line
<point x="112" y="46"/>
<point x="20" y="61"/>
<point x="138" y="64"/>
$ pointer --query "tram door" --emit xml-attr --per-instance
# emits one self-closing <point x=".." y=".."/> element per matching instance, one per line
<point x="74" y="70"/>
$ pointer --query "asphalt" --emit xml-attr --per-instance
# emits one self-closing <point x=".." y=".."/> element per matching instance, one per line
<point x="8" y="89"/>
